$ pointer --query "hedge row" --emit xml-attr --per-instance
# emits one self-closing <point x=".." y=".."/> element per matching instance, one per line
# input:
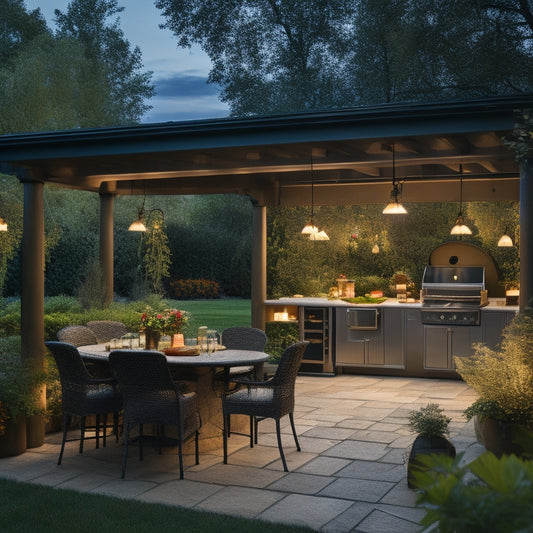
<point x="195" y="289"/>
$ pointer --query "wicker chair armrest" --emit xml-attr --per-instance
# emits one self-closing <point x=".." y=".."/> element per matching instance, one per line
<point x="258" y="384"/>
<point x="101" y="381"/>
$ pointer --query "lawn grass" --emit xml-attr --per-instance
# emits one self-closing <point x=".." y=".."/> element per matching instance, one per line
<point x="26" y="508"/>
<point x="216" y="314"/>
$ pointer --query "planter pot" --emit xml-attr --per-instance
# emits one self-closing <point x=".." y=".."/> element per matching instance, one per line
<point x="498" y="437"/>
<point x="152" y="340"/>
<point x="426" y="446"/>
<point x="53" y="424"/>
<point x="13" y="441"/>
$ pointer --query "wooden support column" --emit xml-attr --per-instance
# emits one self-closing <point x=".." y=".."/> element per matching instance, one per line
<point x="32" y="294"/>
<point x="259" y="239"/>
<point x="106" y="242"/>
<point x="526" y="232"/>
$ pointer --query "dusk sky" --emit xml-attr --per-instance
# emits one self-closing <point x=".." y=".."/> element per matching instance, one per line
<point x="179" y="75"/>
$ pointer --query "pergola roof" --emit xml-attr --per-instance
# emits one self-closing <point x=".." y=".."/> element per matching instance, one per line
<point x="269" y="158"/>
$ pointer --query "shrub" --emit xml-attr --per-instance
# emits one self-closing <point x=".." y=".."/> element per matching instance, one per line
<point x="489" y="494"/>
<point x="429" y="421"/>
<point x="17" y="386"/>
<point x="9" y="324"/>
<point x="54" y="322"/>
<point x="280" y="337"/>
<point x="3" y="419"/>
<point x="62" y="304"/>
<point x="53" y="388"/>
<point x="192" y="289"/>
<point x="92" y="290"/>
<point x="503" y="378"/>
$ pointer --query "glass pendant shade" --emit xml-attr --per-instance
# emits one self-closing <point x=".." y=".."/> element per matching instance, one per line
<point x="3" y="225"/>
<point x="319" y="236"/>
<point x="394" y="208"/>
<point x="310" y="228"/>
<point x="137" y="226"/>
<point x="505" y="241"/>
<point x="460" y="228"/>
<point x="375" y="249"/>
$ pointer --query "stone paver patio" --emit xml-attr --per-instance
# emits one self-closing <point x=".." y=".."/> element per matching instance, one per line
<point x="349" y="476"/>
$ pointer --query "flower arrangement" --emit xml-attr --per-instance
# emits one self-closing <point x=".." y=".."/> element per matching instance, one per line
<point x="176" y="320"/>
<point x="167" y="322"/>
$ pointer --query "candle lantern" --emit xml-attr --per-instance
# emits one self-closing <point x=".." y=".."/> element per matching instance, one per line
<point x="346" y="288"/>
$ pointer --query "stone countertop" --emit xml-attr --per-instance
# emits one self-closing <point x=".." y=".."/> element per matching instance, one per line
<point x="495" y="304"/>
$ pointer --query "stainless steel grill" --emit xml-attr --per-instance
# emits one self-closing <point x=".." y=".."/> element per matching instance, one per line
<point x="453" y="295"/>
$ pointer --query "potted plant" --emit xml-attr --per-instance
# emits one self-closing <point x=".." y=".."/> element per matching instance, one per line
<point x="431" y="425"/>
<point x="503" y="378"/>
<point x="18" y="400"/>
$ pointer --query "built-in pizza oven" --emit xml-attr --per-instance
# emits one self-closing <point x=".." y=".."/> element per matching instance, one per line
<point x="453" y="295"/>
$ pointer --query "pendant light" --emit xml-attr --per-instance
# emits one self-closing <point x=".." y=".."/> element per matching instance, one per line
<point x="505" y="241"/>
<point x="138" y="225"/>
<point x="394" y="207"/>
<point x="310" y="228"/>
<point x="3" y="225"/>
<point x="460" y="228"/>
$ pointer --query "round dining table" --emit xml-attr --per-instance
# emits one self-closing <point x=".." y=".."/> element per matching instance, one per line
<point x="199" y="373"/>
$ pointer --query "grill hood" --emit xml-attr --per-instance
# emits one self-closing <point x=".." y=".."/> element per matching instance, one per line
<point x="454" y="278"/>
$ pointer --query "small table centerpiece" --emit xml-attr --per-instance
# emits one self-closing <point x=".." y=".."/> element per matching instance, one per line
<point x="167" y="322"/>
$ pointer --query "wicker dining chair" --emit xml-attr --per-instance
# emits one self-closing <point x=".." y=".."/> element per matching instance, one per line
<point x="83" y="395"/>
<point x="151" y="397"/>
<point x="243" y="338"/>
<point x="273" y="398"/>
<point x="77" y="336"/>
<point x="105" y="330"/>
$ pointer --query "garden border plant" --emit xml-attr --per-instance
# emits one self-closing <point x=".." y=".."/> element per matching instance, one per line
<point x="503" y="378"/>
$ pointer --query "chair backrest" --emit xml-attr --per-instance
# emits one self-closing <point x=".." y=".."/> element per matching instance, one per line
<point x="148" y="392"/>
<point x="77" y="336"/>
<point x="243" y="338"/>
<point x="284" y="379"/>
<point x="72" y="371"/>
<point x="105" y="330"/>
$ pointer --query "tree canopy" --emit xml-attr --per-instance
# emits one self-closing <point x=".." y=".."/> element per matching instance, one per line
<point x="274" y="56"/>
<point x="84" y="75"/>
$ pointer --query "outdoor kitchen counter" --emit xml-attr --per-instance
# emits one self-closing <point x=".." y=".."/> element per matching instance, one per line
<point x="495" y="304"/>
<point x="393" y="341"/>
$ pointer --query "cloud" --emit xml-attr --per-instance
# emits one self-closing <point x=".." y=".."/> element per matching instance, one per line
<point x="185" y="97"/>
<point x="183" y="85"/>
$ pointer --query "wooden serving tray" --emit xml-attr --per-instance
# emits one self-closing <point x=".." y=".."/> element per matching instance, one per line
<point x="182" y="350"/>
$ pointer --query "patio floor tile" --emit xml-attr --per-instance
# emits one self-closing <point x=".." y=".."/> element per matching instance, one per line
<point x="302" y="510"/>
<point x="241" y="501"/>
<point x="301" y="483"/>
<point x="349" y="477"/>
<point x="182" y="492"/>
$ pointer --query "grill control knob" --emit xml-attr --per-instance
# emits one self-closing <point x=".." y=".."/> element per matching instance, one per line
<point x="442" y="317"/>
<point x="454" y="317"/>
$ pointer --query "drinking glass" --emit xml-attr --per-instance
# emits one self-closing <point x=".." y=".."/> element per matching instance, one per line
<point x="212" y="341"/>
